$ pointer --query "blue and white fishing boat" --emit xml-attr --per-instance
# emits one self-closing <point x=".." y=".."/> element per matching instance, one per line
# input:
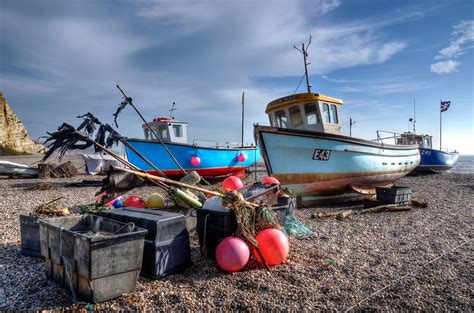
<point x="432" y="160"/>
<point x="304" y="149"/>
<point x="213" y="161"/>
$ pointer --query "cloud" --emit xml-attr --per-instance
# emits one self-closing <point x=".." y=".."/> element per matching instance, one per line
<point x="445" y="67"/>
<point x="462" y="39"/>
<point x="322" y="7"/>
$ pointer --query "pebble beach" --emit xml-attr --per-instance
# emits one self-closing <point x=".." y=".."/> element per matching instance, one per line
<point x="414" y="260"/>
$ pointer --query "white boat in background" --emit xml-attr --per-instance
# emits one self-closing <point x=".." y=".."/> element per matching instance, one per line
<point x="8" y="168"/>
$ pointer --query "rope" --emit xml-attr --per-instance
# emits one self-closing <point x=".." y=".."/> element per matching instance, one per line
<point x="299" y="83"/>
<point x="404" y="276"/>
<point x="68" y="270"/>
<point x="204" y="247"/>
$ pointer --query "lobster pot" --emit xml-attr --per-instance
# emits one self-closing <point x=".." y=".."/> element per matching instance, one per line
<point x="167" y="249"/>
<point x="30" y="236"/>
<point x="98" y="257"/>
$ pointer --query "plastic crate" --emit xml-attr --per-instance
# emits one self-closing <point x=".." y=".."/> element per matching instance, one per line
<point x="99" y="268"/>
<point x="393" y="195"/>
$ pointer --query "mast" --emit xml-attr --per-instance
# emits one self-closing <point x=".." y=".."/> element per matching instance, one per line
<point x="440" y="123"/>
<point x="414" y="115"/>
<point x="304" y="51"/>
<point x="243" y="95"/>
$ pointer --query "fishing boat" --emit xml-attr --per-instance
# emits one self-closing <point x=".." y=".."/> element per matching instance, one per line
<point x="304" y="149"/>
<point x="214" y="160"/>
<point x="432" y="160"/>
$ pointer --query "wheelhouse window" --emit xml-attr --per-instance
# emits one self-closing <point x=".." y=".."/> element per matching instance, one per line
<point x="295" y="116"/>
<point x="178" y="131"/>
<point x="163" y="131"/>
<point x="311" y="111"/>
<point x="326" y="114"/>
<point x="335" y="120"/>
<point x="427" y="143"/>
<point x="281" y="119"/>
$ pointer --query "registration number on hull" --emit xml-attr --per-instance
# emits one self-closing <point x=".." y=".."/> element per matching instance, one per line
<point x="321" y="154"/>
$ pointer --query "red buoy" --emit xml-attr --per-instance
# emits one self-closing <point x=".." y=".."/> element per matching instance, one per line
<point x="232" y="183"/>
<point x="232" y="254"/>
<point x="195" y="160"/>
<point x="273" y="245"/>
<point x="270" y="181"/>
<point x="134" y="202"/>
<point x="241" y="157"/>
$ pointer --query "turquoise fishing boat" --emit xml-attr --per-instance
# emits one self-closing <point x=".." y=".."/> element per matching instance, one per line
<point x="213" y="160"/>
<point x="304" y="149"/>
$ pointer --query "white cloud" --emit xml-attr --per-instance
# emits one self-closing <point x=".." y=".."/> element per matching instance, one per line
<point x="463" y="36"/>
<point x="462" y="40"/>
<point x="321" y="7"/>
<point x="445" y="67"/>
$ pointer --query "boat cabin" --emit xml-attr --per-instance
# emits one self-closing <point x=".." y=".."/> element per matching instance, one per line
<point x="306" y="111"/>
<point x="168" y="129"/>
<point x="408" y="138"/>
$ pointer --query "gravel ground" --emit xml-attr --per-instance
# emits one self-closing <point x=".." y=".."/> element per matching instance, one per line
<point x="367" y="262"/>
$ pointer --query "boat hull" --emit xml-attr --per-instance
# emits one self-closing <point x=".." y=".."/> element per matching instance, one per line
<point x="433" y="160"/>
<point x="215" y="162"/>
<point x="315" y="163"/>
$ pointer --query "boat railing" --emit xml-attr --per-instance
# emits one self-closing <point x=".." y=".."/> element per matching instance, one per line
<point x="218" y="144"/>
<point x="393" y="136"/>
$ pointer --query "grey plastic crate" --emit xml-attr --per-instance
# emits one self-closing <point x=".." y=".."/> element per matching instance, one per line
<point x="393" y="195"/>
<point x="99" y="267"/>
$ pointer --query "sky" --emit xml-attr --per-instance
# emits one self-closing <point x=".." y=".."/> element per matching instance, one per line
<point x="59" y="59"/>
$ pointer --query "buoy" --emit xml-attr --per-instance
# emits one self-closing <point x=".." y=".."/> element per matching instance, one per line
<point x="232" y="183"/>
<point x="195" y="160"/>
<point x="232" y="254"/>
<point x="155" y="200"/>
<point x="273" y="245"/>
<point x="241" y="157"/>
<point x="215" y="204"/>
<point x="270" y="181"/>
<point x="117" y="202"/>
<point x="134" y="202"/>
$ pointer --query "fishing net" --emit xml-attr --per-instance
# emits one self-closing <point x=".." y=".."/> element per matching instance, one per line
<point x="293" y="227"/>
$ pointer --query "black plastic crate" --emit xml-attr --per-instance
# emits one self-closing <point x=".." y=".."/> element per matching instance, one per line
<point x="30" y="236"/>
<point x="393" y="195"/>
<point x="167" y="249"/>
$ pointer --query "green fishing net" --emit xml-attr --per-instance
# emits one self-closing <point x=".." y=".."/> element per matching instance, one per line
<point x="293" y="227"/>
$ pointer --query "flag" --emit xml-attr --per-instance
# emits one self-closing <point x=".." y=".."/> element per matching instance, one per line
<point x="445" y="105"/>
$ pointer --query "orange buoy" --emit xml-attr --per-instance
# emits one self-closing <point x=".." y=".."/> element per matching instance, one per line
<point x="232" y="183"/>
<point x="273" y="245"/>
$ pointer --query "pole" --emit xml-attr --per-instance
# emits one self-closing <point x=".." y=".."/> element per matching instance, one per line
<point x="350" y="126"/>
<point x="243" y="96"/>
<point x="440" y="124"/>
<point x="414" y="115"/>
<point x="306" y="69"/>
<point x="128" y="99"/>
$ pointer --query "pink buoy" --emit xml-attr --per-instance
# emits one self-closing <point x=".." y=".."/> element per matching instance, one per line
<point x="241" y="157"/>
<point x="273" y="245"/>
<point x="270" y="181"/>
<point x="232" y="183"/>
<point x="195" y="160"/>
<point x="232" y="254"/>
<point x="134" y="202"/>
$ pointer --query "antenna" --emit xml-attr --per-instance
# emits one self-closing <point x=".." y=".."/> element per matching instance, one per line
<point x="243" y="107"/>
<point x="305" y="56"/>
<point x="413" y="119"/>
<point x="352" y="122"/>
<point x="173" y="108"/>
